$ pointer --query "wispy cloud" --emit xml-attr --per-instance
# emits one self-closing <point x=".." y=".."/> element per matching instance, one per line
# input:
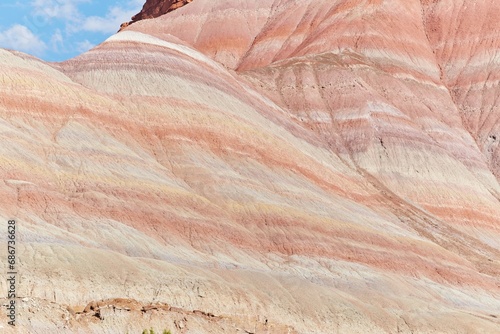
<point x="57" y="41"/>
<point x="84" y="46"/>
<point x="115" y="16"/>
<point x="19" y="37"/>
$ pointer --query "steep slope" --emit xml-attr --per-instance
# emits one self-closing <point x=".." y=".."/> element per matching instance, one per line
<point x="303" y="172"/>
<point x="466" y="49"/>
<point x="364" y="76"/>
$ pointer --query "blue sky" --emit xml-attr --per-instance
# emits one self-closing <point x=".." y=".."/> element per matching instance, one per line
<point x="56" y="30"/>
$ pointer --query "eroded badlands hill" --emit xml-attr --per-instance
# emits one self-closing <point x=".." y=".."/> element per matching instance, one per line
<point x="274" y="166"/>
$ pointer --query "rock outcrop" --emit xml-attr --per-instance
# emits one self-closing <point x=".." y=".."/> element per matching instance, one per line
<point x="155" y="8"/>
<point x="313" y="166"/>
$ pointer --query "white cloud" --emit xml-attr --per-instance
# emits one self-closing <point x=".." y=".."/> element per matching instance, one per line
<point x="19" y="37"/>
<point x="84" y="46"/>
<point x="61" y="9"/>
<point x="68" y="11"/>
<point x="110" y="23"/>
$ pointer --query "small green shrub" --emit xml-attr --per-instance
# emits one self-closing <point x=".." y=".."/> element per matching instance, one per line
<point x="152" y="331"/>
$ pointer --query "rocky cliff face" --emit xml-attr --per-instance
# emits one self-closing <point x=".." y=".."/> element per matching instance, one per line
<point x="278" y="166"/>
<point x="155" y="8"/>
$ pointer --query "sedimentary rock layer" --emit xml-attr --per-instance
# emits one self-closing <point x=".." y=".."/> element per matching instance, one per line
<point x="152" y="9"/>
<point x="464" y="38"/>
<point x="297" y="165"/>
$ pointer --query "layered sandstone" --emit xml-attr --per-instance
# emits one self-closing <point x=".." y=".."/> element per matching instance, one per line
<point x="277" y="166"/>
